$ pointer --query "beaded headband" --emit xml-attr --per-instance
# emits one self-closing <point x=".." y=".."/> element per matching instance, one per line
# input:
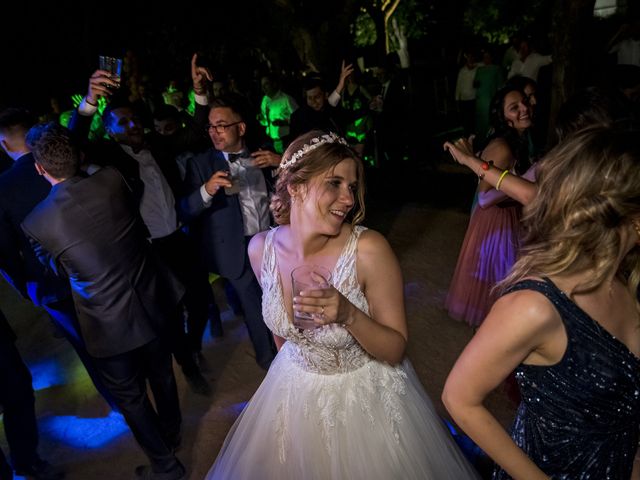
<point x="314" y="143"/>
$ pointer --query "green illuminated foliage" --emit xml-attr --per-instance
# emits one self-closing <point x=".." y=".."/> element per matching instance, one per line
<point x="364" y="30"/>
<point x="412" y="17"/>
<point x="191" y="104"/>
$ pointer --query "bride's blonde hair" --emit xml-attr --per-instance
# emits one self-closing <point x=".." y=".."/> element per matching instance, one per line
<point x="588" y="193"/>
<point x="310" y="155"/>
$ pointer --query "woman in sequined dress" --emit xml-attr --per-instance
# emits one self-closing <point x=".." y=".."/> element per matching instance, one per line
<point x="568" y="322"/>
<point x="340" y="401"/>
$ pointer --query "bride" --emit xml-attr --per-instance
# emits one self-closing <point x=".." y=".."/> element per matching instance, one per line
<point x="340" y="401"/>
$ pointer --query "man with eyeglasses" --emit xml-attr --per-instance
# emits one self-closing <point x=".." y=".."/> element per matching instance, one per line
<point x="154" y="177"/>
<point x="228" y="203"/>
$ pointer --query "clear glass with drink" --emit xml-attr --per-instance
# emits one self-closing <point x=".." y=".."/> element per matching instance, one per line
<point x="308" y="277"/>
<point x="112" y="65"/>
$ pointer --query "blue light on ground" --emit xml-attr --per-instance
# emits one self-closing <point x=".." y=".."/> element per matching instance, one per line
<point x="468" y="447"/>
<point x="48" y="373"/>
<point x="237" y="408"/>
<point x="85" y="432"/>
<point x="226" y="316"/>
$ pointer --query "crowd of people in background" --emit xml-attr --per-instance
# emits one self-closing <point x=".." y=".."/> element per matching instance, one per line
<point x="114" y="217"/>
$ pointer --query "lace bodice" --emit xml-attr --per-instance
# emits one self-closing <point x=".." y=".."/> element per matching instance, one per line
<point x="329" y="349"/>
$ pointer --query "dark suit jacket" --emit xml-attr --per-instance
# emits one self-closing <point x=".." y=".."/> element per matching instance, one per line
<point x="218" y="228"/>
<point x="21" y="189"/>
<point x="305" y="119"/>
<point x="89" y="228"/>
<point x="7" y="334"/>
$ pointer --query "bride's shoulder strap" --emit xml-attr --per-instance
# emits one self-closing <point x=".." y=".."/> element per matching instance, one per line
<point x="268" y="252"/>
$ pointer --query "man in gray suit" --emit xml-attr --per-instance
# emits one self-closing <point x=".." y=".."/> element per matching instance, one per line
<point x="228" y="204"/>
<point x="88" y="229"/>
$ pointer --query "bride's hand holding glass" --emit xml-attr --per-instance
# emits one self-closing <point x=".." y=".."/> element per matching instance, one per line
<point x="326" y="305"/>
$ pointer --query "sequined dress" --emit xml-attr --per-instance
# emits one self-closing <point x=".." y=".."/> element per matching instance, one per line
<point x="328" y="410"/>
<point x="579" y="419"/>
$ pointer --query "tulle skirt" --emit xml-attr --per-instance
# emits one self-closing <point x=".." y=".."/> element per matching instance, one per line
<point x="488" y="252"/>
<point x="375" y="422"/>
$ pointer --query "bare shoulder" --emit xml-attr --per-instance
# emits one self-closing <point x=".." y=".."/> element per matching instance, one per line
<point x="257" y="241"/>
<point x="375" y="255"/>
<point x="499" y="152"/>
<point x="372" y="242"/>
<point x="256" y="250"/>
<point x="527" y="310"/>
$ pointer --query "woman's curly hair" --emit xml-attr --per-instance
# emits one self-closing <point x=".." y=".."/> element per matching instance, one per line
<point x="589" y="193"/>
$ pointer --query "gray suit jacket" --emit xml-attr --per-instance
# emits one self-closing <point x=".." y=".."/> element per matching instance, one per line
<point x="89" y="229"/>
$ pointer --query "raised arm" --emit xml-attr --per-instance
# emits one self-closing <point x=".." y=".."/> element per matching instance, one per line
<point x="335" y="96"/>
<point x="520" y="189"/>
<point x="200" y="76"/>
<point x="522" y="327"/>
<point x="101" y="85"/>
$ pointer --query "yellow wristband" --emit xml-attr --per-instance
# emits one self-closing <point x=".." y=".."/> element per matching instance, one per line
<point x="502" y="175"/>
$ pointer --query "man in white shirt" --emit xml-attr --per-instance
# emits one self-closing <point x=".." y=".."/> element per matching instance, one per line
<point x="529" y="62"/>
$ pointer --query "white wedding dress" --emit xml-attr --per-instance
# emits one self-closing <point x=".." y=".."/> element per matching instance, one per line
<point x="328" y="410"/>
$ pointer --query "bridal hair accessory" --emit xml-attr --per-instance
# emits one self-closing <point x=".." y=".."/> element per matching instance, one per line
<point x="314" y="143"/>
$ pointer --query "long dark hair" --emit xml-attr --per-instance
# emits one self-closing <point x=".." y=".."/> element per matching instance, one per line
<point x="520" y="145"/>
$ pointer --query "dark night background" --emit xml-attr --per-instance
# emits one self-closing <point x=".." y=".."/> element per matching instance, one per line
<point x="52" y="49"/>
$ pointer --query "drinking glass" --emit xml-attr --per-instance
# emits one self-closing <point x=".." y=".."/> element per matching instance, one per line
<point x="308" y="277"/>
<point x="112" y="65"/>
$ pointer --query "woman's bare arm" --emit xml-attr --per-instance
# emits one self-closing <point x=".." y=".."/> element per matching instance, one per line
<point x="519" y="328"/>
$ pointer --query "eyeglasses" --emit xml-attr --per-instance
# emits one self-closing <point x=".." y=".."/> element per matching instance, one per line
<point x="220" y="128"/>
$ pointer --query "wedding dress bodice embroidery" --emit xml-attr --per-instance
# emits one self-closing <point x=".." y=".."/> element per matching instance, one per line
<point x="329" y="349"/>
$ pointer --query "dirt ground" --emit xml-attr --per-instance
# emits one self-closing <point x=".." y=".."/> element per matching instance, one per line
<point x="424" y="216"/>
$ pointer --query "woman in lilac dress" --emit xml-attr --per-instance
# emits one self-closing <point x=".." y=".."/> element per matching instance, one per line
<point x="491" y="242"/>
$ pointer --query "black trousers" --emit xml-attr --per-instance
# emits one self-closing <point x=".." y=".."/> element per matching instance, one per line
<point x="250" y="296"/>
<point x="63" y="314"/>
<point x="18" y="401"/>
<point x="126" y="376"/>
<point x="178" y="253"/>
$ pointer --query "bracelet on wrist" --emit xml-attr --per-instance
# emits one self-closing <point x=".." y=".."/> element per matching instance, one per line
<point x="486" y="166"/>
<point x="86" y="100"/>
<point x="502" y="175"/>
